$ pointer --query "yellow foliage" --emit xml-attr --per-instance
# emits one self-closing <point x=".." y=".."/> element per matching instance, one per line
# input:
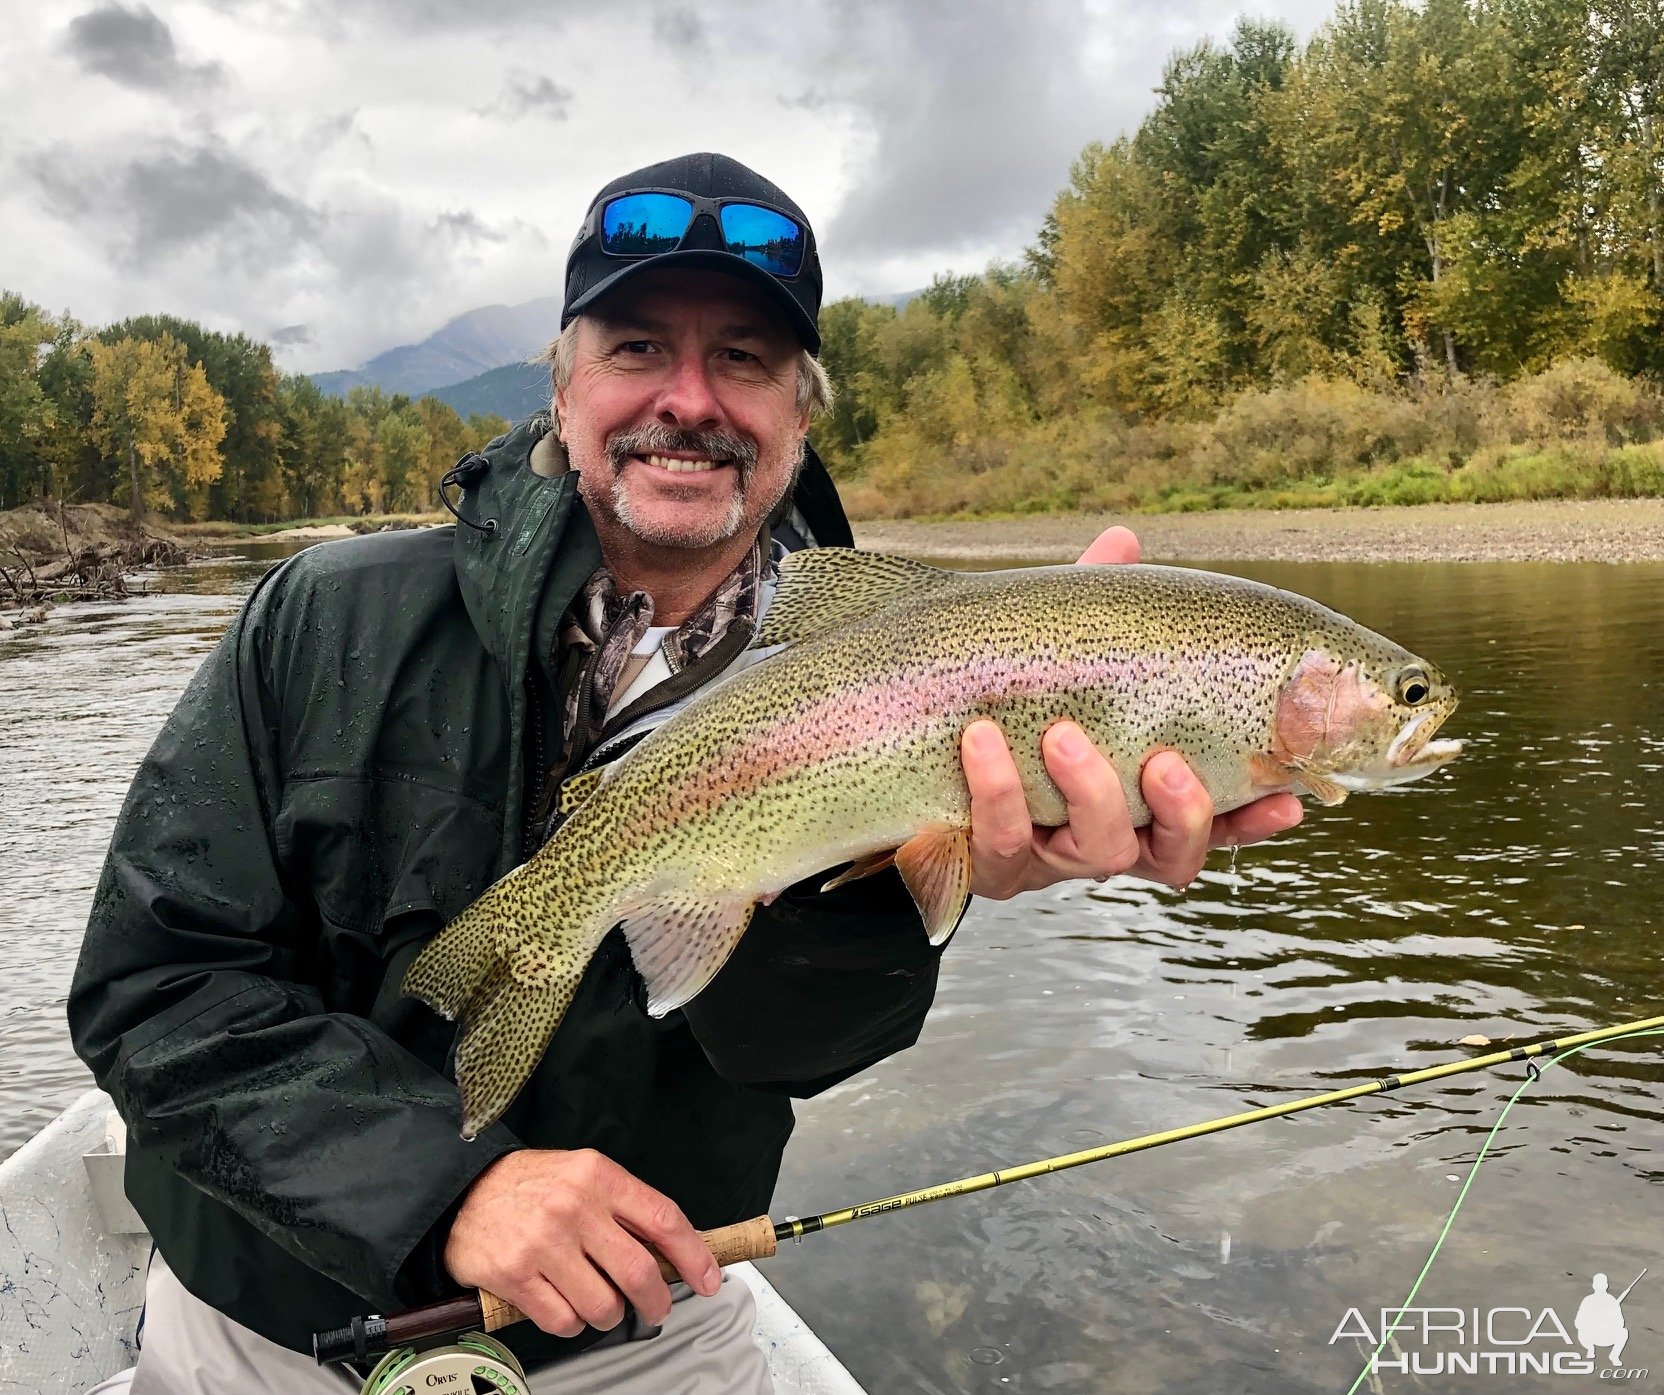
<point x="158" y="421"/>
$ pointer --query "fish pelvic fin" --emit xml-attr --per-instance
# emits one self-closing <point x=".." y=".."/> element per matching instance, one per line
<point x="825" y="589"/>
<point x="678" y="946"/>
<point x="868" y="866"/>
<point x="509" y="989"/>
<point x="937" y="869"/>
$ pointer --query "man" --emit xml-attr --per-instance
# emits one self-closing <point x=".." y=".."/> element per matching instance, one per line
<point x="385" y="730"/>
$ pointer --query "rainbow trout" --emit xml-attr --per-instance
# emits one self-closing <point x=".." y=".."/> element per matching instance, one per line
<point x="844" y="747"/>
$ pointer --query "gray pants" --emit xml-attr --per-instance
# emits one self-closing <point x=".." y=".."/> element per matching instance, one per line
<point x="704" y="1348"/>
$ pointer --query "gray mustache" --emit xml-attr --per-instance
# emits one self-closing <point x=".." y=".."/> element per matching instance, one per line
<point x="657" y="439"/>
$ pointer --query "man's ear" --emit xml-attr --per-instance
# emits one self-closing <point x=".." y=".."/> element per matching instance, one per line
<point x="560" y="415"/>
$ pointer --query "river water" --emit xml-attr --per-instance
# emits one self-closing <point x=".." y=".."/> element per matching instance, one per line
<point x="1514" y="895"/>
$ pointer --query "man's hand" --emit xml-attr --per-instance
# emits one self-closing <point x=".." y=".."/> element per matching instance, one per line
<point x="560" y="1235"/>
<point x="1010" y="854"/>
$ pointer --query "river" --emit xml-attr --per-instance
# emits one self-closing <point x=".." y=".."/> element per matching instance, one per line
<point x="1514" y="895"/>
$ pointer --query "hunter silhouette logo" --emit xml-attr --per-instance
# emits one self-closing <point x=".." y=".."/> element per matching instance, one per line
<point x="1600" y="1320"/>
<point x="1501" y="1340"/>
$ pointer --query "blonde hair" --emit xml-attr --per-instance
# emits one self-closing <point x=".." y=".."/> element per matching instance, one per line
<point x="814" y="388"/>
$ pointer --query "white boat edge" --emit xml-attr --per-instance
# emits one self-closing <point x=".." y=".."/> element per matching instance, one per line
<point x="73" y="1256"/>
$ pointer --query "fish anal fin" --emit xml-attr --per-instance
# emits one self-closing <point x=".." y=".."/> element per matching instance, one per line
<point x="867" y="866"/>
<point x="579" y="788"/>
<point x="678" y="946"/>
<point x="826" y="589"/>
<point x="1321" y="787"/>
<point x="937" y="869"/>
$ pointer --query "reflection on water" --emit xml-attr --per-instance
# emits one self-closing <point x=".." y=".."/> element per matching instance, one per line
<point x="1515" y="894"/>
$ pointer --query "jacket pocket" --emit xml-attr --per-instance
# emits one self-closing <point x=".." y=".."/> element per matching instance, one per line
<point x="381" y="856"/>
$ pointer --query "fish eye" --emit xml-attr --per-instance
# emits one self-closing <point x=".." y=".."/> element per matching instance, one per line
<point x="1413" y="688"/>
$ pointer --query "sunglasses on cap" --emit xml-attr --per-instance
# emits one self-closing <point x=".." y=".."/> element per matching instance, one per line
<point x="650" y="222"/>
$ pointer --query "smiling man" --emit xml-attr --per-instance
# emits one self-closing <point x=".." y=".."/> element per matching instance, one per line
<point x="386" y="729"/>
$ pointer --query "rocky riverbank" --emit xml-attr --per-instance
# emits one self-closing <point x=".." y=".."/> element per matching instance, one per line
<point x="1600" y="530"/>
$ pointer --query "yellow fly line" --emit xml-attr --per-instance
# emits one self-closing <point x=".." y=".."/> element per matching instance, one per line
<point x="796" y="1228"/>
<point x="758" y="1238"/>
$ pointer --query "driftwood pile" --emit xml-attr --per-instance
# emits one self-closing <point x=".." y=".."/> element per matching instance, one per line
<point x="94" y="572"/>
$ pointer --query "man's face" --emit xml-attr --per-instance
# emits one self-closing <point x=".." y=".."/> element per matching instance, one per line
<point x="681" y="413"/>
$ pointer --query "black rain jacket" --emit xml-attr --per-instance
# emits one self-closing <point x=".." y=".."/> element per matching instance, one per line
<point x="347" y="771"/>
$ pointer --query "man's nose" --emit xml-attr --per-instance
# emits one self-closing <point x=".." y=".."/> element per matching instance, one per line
<point x="688" y="399"/>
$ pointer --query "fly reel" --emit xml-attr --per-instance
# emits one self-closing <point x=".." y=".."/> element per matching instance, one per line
<point x="474" y="1364"/>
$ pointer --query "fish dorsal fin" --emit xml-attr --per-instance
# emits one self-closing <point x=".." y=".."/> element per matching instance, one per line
<point x="824" y="589"/>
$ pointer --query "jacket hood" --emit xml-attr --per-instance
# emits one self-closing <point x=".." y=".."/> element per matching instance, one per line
<point x="517" y="516"/>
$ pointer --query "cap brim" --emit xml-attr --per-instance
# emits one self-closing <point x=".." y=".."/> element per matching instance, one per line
<point x="706" y="259"/>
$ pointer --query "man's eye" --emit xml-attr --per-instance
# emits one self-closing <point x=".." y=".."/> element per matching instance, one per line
<point x="739" y="356"/>
<point x="636" y="346"/>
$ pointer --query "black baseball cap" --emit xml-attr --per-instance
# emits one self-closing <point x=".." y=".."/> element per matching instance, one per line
<point x="591" y="272"/>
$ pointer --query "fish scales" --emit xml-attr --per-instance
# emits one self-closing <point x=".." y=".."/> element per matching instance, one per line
<point x="846" y="745"/>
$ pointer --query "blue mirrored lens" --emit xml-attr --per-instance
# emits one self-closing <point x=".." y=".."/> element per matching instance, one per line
<point x="763" y="237"/>
<point x="642" y="224"/>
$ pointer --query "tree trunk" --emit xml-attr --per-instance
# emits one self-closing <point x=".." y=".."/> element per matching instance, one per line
<point x="133" y="476"/>
<point x="1449" y="339"/>
<point x="1650" y="151"/>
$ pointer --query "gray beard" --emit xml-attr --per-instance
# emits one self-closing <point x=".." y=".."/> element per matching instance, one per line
<point x="718" y="445"/>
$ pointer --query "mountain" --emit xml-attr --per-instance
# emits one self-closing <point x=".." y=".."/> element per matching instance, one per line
<point x="466" y="347"/>
<point x="514" y="391"/>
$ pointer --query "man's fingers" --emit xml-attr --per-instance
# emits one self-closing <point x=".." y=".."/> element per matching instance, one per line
<point x="1254" y="823"/>
<point x="1098" y="840"/>
<point x="1181" y="820"/>
<point x="588" y="1290"/>
<point x="632" y="1270"/>
<point x="542" y="1303"/>
<point x="1113" y="545"/>
<point x="1002" y="834"/>
<point x="659" y="1221"/>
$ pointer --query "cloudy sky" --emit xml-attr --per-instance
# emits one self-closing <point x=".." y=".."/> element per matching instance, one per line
<point x="340" y="176"/>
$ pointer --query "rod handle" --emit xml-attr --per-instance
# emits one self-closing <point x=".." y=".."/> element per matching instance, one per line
<point x="728" y="1244"/>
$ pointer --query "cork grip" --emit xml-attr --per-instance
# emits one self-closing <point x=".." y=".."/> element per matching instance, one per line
<point x="753" y="1239"/>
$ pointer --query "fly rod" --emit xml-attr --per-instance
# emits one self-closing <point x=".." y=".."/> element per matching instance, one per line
<point x="760" y="1237"/>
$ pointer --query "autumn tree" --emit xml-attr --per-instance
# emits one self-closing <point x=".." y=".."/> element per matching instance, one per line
<point x="155" y="415"/>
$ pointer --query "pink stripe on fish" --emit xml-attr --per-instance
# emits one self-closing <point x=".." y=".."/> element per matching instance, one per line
<point x="874" y="713"/>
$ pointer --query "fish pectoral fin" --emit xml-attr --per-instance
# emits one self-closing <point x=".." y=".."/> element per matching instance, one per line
<point x="1321" y="787"/>
<point x="679" y="945"/>
<point x="862" y="867"/>
<point x="937" y="869"/>
<point x="825" y="589"/>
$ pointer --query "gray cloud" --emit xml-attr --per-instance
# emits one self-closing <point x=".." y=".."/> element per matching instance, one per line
<point x="680" y="28"/>
<point x="177" y="198"/>
<point x="135" y="48"/>
<point x="526" y="95"/>
<point x="292" y="334"/>
<point x="466" y="227"/>
<point x="977" y="109"/>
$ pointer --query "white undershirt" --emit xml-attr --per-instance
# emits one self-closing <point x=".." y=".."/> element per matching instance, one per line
<point x="655" y="671"/>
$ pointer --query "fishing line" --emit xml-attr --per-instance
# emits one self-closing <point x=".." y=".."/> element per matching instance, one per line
<point x="1533" y="1073"/>
<point x="759" y="1237"/>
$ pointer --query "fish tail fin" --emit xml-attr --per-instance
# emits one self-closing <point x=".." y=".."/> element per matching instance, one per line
<point x="508" y="988"/>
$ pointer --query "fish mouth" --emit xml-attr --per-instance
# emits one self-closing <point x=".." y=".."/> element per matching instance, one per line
<point x="1412" y="754"/>
<point x="1414" y="748"/>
